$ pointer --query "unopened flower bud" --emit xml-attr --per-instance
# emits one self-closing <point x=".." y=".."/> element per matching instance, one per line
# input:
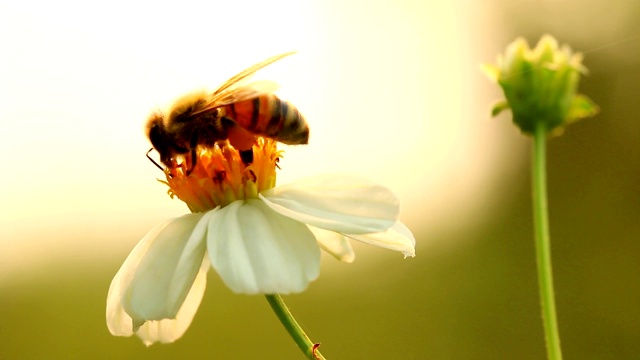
<point x="540" y="85"/>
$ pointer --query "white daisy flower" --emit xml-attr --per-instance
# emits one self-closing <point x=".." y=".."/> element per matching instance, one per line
<point x="260" y="239"/>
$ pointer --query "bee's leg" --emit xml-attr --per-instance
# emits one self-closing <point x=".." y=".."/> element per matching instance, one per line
<point x="193" y="159"/>
<point x="241" y="139"/>
<point x="193" y="154"/>
<point x="246" y="156"/>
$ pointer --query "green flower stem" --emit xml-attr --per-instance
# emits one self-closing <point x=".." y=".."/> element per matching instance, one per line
<point x="543" y="244"/>
<point x="293" y="328"/>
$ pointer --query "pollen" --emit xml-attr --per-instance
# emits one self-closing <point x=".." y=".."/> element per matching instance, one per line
<point x="220" y="177"/>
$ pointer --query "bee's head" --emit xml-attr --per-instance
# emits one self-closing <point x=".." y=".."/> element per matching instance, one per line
<point x="167" y="144"/>
<point x="156" y="131"/>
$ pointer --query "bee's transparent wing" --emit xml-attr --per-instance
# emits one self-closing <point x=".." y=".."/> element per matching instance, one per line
<point x="250" y="71"/>
<point x="244" y="92"/>
<point x="235" y="90"/>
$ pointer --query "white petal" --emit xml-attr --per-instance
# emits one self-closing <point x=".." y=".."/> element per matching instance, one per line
<point x="398" y="238"/>
<point x="169" y="330"/>
<point x="118" y="322"/>
<point x="256" y="250"/>
<point x="157" y="276"/>
<point x="344" y="204"/>
<point x="335" y="244"/>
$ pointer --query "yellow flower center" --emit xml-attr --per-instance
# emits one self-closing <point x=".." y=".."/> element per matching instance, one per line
<point x="220" y="177"/>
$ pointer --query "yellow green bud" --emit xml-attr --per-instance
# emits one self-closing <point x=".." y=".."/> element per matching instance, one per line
<point x="540" y="84"/>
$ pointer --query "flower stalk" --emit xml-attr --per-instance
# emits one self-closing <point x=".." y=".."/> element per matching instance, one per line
<point x="308" y="348"/>
<point x="540" y="87"/>
<point x="543" y="244"/>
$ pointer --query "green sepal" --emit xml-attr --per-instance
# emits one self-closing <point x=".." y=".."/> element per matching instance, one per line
<point x="499" y="107"/>
<point x="580" y="108"/>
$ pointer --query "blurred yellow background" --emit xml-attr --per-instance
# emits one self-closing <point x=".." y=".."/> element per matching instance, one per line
<point x="392" y="91"/>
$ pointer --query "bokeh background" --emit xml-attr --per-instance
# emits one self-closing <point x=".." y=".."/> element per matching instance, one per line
<point x="392" y="91"/>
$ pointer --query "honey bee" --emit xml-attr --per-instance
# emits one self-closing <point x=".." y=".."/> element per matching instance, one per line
<point x="236" y="112"/>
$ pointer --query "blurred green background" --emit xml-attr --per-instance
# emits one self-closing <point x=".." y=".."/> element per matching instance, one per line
<point x="471" y="291"/>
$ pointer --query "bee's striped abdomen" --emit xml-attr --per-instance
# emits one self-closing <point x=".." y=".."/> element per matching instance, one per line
<point x="269" y="116"/>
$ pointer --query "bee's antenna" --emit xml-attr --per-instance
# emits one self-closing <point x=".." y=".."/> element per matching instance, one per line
<point x="153" y="161"/>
